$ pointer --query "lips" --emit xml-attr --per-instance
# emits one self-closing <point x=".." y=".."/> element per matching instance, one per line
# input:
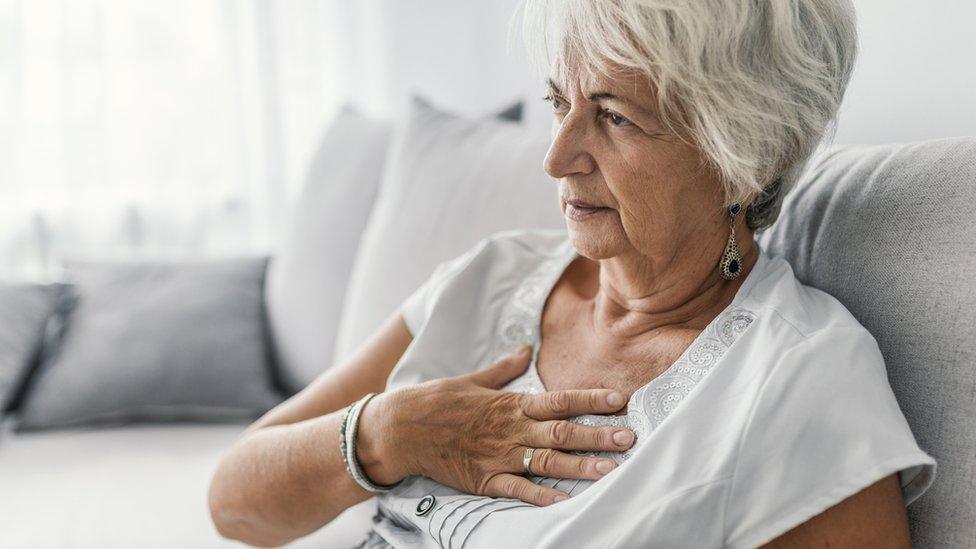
<point x="579" y="211"/>
<point x="583" y="205"/>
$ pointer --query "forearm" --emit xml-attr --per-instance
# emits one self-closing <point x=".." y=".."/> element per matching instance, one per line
<point x="283" y="482"/>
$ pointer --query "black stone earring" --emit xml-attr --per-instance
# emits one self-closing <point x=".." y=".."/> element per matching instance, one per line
<point x="731" y="263"/>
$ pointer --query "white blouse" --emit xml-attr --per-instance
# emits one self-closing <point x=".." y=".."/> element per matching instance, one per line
<point x="778" y="410"/>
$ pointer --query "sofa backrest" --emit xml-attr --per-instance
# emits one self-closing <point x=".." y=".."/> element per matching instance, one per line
<point x="890" y="231"/>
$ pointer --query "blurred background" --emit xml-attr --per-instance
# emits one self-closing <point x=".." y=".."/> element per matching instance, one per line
<point x="347" y="148"/>
<point x="141" y="128"/>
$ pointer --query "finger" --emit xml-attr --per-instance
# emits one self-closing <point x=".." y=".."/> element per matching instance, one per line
<point x="507" y="485"/>
<point x="500" y="373"/>
<point x="547" y="462"/>
<point x="572" y="402"/>
<point x="566" y="435"/>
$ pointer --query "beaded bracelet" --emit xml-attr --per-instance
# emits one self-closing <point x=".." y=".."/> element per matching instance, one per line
<point x="347" y="447"/>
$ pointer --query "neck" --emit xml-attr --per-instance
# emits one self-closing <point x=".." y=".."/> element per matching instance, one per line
<point x="638" y="295"/>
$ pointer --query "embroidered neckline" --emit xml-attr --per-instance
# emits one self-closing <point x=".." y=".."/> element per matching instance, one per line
<point x="652" y="403"/>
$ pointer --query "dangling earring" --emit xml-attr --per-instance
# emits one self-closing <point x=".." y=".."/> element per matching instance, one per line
<point x="731" y="263"/>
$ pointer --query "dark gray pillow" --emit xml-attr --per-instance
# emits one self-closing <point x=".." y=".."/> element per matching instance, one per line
<point x="513" y="112"/>
<point x="154" y="341"/>
<point x="24" y="308"/>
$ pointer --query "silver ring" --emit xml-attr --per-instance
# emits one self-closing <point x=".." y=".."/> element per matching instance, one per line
<point x="527" y="460"/>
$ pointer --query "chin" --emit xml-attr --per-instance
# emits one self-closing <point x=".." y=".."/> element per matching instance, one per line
<point x="595" y="244"/>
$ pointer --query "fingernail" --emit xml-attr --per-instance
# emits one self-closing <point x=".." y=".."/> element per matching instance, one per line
<point x="559" y="497"/>
<point x="604" y="466"/>
<point x="615" y="399"/>
<point x="525" y="350"/>
<point x="621" y="437"/>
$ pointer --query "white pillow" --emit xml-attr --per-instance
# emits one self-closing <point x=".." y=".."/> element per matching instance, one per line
<point x="308" y="276"/>
<point x="449" y="182"/>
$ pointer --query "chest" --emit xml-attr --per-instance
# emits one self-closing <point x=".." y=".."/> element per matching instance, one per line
<point x="573" y="356"/>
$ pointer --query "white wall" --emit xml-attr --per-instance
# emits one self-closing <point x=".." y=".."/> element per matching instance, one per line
<point x="451" y="51"/>
<point x="916" y="74"/>
<point x="915" y="77"/>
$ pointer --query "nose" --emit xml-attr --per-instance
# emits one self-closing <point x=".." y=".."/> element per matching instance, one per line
<point x="567" y="153"/>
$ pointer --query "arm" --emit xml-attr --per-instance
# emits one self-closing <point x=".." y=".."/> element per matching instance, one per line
<point x="284" y="477"/>
<point x="874" y="517"/>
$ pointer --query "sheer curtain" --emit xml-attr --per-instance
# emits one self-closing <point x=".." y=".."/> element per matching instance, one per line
<point x="146" y="128"/>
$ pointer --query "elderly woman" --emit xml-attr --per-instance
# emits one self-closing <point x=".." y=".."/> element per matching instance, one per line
<point x="676" y="386"/>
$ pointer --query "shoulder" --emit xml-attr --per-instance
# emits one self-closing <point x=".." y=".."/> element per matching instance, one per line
<point x="809" y="339"/>
<point x="507" y="251"/>
<point x="530" y="242"/>
<point x="493" y="265"/>
<point x="799" y="309"/>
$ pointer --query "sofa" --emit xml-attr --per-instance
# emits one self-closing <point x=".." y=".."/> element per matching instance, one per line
<point x="887" y="229"/>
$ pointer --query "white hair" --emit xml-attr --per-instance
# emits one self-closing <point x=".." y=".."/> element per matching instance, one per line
<point x="755" y="84"/>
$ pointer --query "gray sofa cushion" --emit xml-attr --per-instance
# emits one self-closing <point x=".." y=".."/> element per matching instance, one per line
<point x="890" y="230"/>
<point x="155" y="341"/>
<point x="24" y="309"/>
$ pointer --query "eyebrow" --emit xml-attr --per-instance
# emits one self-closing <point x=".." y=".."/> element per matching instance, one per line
<point x="553" y="88"/>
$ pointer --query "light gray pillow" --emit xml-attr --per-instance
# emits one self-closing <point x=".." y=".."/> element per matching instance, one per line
<point x="155" y="341"/>
<point x="890" y="231"/>
<point x="24" y="308"/>
<point x="308" y="276"/>
<point x="449" y="181"/>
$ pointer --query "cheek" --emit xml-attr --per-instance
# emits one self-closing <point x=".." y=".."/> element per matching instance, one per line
<point x="636" y="206"/>
<point x="638" y="187"/>
<point x="647" y="197"/>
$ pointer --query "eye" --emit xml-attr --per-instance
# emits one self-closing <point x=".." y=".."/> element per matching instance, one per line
<point x="555" y="101"/>
<point x="615" y="118"/>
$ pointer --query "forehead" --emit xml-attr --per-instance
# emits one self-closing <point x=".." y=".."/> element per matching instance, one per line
<point x="622" y="81"/>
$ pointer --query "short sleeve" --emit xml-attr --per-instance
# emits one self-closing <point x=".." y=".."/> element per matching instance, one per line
<point x="416" y="308"/>
<point x="824" y="426"/>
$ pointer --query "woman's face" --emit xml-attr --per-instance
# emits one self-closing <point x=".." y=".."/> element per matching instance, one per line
<point x="610" y="150"/>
